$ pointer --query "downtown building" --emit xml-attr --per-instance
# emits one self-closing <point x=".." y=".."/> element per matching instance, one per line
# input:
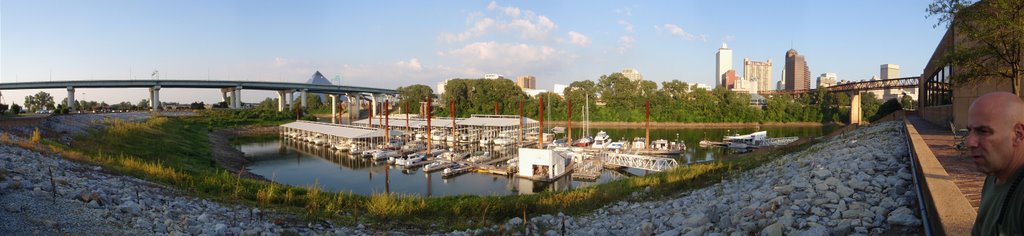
<point x="826" y="80"/>
<point x="633" y="74"/>
<point x="797" y="74"/>
<point x="723" y="62"/>
<point x="759" y="72"/>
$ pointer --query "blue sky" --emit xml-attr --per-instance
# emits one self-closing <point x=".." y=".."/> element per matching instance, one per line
<point x="399" y="43"/>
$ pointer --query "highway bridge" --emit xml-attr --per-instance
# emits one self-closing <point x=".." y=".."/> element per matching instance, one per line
<point x="230" y="90"/>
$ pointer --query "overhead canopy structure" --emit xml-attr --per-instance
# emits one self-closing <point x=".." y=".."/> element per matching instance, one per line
<point x="342" y="131"/>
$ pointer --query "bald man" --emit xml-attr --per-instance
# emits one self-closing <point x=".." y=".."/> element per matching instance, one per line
<point x="996" y="144"/>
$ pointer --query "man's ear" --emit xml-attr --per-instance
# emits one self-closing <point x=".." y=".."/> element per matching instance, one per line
<point x="1018" y="134"/>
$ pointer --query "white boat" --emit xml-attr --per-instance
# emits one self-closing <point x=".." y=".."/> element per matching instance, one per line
<point x="755" y="139"/>
<point x="370" y="153"/>
<point x="480" y="156"/>
<point x="414" y="147"/>
<point x="437" y="165"/>
<point x="453" y="156"/>
<point x="485" y="141"/>
<point x="601" y="140"/>
<point x="395" y="143"/>
<point x="411" y="159"/>
<point x="583" y="142"/>
<point x="616" y="145"/>
<point x="384" y="155"/>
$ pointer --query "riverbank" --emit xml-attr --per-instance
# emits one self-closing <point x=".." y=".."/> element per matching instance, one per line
<point x="858" y="182"/>
<point x="92" y="200"/>
<point x="666" y="125"/>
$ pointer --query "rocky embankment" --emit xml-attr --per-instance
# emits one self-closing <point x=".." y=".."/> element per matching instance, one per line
<point x="89" y="200"/>
<point x="858" y="183"/>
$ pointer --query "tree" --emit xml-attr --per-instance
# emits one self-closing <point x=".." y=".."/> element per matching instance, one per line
<point x="143" y="104"/>
<point x="3" y="108"/>
<point x="413" y="95"/>
<point x="15" y="109"/>
<point x="994" y="31"/>
<point x="39" y="101"/>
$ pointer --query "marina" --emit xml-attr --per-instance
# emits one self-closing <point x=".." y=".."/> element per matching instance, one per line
<point x="301" y="163"/>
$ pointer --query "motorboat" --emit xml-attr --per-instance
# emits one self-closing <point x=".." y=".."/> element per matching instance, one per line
<point x="480" y="156"/>
<point x="453" y="156"/>
<point x="437" y="165"/>
<point x="384" y="155"/>
<point x="755" y="139"/>
<point x="411" y="160"/>
<point x="601" y="140"/>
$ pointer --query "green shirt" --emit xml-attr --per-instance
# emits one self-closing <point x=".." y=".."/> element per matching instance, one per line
<point x="992" y="198"/>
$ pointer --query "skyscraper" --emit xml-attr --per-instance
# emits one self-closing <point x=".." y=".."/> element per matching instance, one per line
<point x="889" y="71"/>
<point x="526" y="82"/>
<point x="827" y="80"/>
<point x="760" y="72"/>
<point x="797" y="73"/>
<point x="723" y="59"/>
<point x="632" y="74"/>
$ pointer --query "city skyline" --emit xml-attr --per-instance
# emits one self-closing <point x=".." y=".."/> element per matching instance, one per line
<point x="426" y="43"/>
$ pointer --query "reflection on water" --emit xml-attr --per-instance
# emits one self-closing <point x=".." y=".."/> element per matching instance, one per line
<point x="296" y="163"/>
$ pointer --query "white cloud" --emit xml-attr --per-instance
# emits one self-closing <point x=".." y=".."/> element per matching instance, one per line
<point x="479" y="28"/>
<point x="625" y="43"/>
<point x="579" y="39"/>
<point x="677" y="31"/>
<point x="413" y="65"/>
<point x="626" y="25"/>
<point x="515" y="58"/>
<point x="510" y="19"/>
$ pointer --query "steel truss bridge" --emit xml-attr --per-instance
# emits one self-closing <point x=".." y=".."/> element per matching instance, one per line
<point x="906" y="82"/>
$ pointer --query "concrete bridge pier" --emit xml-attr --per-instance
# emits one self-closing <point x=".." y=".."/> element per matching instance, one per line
<point x="236" y="98"/>
<point x="289" y="95"/>
<point x="334" y="108"/>
<point x="855" y="110"/>
<point x="154" y="98"/>
<point x="303" y="94"/>
<point x="71" y="99"/>
<point x="373" y="104"/>
<point x="353" y="106"/>
<point x="224" y="96"/>
<point x="280" y="100"/>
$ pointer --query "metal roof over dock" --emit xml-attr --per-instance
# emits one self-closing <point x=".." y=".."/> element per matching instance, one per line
<point x="475" y="120"/>
<point x="343" y="131"/>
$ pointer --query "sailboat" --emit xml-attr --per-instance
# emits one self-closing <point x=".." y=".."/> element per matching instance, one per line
<point x="586" y="140"/>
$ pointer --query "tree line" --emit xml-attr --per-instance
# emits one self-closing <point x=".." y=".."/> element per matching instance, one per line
<point x="618" y="99"/>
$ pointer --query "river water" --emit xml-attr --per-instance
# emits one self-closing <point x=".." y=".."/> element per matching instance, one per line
<point x="298" y="164"/>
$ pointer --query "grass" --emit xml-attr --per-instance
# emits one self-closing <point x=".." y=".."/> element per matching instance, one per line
<point x="174" y="151"/>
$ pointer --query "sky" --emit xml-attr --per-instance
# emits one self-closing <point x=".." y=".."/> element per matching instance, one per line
<point x="387" y="44"/>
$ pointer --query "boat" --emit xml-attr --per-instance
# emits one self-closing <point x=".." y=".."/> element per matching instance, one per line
<point x="454" y="169"/>
<point x="384" y="155"/>
<point x="453" y="156"/>
<point x="437" y="135"/>
<point x="485" y="141"/>
<point x="395" y="143"/>
<point x="755" y="139"/>
<point x="411" y="160"/>
<point x="601" y="140"/>
<point x="664" y="147"/>
<point x="480" y="156"/>
<point x="616" y="145"/>
<point x="414" y="147"/>
<point x="583" y="142"/>
<point x="437" y="165"/>
<point x="370" y="153"/>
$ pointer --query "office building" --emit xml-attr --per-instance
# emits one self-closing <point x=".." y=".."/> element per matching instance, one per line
<point x="633" y="74"/>
<point x="827" y="80"/>
<point x="723" y="61"/>
<point x="758" y="71"/>
<point x="526" y="82"/>
<point x="797" y="74"/>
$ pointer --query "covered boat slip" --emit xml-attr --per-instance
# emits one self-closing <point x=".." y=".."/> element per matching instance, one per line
<point x="333" y="135"/>
<point x="476" y="127"/>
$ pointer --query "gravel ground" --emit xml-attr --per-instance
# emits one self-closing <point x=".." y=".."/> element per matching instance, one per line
<point x="855" y="184"/>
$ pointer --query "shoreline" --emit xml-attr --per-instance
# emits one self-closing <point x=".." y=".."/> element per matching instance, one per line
<point x="659" y="125"/>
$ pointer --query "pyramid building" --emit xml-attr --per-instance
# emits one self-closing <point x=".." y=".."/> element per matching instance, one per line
<point x="316" y="78"/>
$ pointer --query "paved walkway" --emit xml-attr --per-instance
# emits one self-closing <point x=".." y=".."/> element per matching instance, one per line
<point x="940" y="140"/>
